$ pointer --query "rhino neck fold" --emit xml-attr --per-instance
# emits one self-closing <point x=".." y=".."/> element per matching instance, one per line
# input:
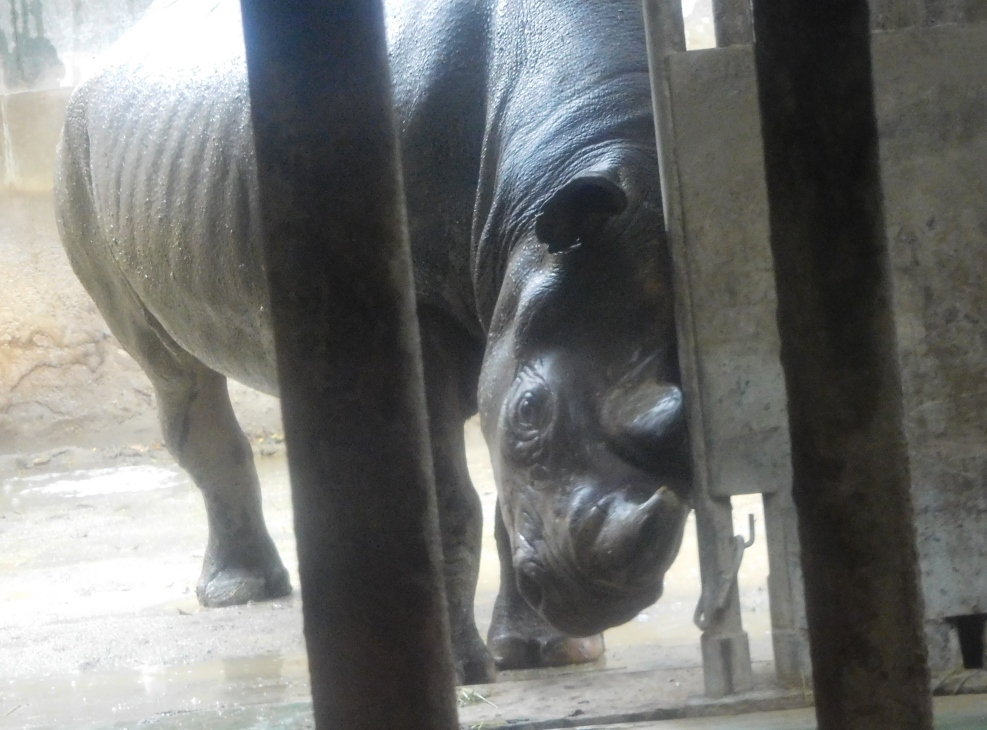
<point x="439" y="62"/>
<point x="547" y="121"/>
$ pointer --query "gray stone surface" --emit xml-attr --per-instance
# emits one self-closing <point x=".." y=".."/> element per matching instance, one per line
<point x="719" y="154"/>
<point x="932" y="109"/>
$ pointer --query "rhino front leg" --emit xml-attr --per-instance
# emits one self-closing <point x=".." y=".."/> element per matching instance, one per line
<point x="448" y="384"/>
<point x="521" y="639"/>
<point x="241" y="563"/>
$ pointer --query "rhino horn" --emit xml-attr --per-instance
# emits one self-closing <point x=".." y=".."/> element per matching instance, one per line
<point x="631" y="533"/>
<point x="646" y="412"/>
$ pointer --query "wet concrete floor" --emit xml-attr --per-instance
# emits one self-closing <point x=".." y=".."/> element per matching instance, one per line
<point x="952" y="713"/>
<point x="99" y="553"/>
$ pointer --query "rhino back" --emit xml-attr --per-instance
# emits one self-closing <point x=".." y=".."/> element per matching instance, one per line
<point x="163" y="132"/>
<point x="439" y="63"/>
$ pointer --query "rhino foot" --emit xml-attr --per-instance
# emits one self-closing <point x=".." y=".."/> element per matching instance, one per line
<point x="519" y="651"/>
<point x="473" y="663"/>
<point x="236" y="586"/>
<point x="521" y="639"/>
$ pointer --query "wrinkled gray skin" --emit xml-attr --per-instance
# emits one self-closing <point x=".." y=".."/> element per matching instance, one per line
<point x="542" y="277"/>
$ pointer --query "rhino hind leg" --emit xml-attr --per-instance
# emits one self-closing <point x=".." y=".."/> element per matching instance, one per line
<point x="200" y="429"/>
<point x="521" y="639"/>
<point x="241" y="563"/>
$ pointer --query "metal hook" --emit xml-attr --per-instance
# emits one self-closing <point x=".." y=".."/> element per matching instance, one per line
<point x="705" y="613"/>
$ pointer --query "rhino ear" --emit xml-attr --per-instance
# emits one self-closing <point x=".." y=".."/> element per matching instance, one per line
<point x="578" y="210"/>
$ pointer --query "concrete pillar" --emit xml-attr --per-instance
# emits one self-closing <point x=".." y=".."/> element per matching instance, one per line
<point x="839" y="354"/>
<point x="732" y="23"/>
<point x="349" y="365"/>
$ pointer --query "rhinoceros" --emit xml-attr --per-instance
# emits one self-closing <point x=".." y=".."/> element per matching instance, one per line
<point x="543" y="286"/>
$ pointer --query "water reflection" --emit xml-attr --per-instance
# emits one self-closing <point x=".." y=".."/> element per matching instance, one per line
<point x="81" y="699"/>
<point x="92" y="482"/>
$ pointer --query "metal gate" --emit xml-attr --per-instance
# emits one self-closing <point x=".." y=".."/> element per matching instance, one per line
<point x="931" y="97"/>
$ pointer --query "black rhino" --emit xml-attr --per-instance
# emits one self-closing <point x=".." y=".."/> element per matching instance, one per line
<point x="543" y="287"/>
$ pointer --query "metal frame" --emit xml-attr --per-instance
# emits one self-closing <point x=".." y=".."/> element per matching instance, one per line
<point x="718" y="443"/>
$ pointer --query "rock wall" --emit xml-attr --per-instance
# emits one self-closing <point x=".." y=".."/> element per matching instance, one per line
<point x="62" y="375"/>
<point x="63" y="378"/>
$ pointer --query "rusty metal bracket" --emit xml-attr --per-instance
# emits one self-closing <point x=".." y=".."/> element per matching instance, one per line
<point x="705" y="610"/>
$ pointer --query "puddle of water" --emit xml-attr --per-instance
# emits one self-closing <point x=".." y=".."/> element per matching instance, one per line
<point x="121" y="697"/>
<point x="96" y="482"/>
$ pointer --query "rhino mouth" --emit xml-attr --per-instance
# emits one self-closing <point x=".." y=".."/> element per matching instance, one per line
<point x="605" y="564"/>
<point x="580" y="609"/>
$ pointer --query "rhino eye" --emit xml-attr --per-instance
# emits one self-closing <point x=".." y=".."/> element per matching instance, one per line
<point x="532" y="413"/>
<point x="529" y="418"/>
<point x="531" y="410"/>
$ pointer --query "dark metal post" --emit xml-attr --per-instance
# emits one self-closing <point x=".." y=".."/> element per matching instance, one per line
<point x="839" y="353"/>
<point x="725" y="644"/>
<point x="349" y="364"/>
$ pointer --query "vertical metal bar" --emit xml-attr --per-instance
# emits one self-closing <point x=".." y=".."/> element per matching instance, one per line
<point x="725" y="646"/>
<point x="840" y="358"/>
<point x="732" y="23"/>
<point x="788" y="635"/>
<point x="665" y="27"/>
<point x="349" y="364"/>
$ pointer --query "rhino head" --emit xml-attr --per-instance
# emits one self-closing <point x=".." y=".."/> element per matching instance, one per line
<point x="580" y="402"/>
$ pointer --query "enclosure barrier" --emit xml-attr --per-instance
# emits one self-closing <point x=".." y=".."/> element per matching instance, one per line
<point x="715" y="204"/>
<point x="365" y="518"/>
<point x="931" y="103"/>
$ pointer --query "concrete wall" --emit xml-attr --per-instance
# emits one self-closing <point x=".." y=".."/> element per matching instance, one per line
<point x="51" y="43"/>
<point x="932" y="108"/>
<point x="62" y="377"/>
<point x="932" y="115"/>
